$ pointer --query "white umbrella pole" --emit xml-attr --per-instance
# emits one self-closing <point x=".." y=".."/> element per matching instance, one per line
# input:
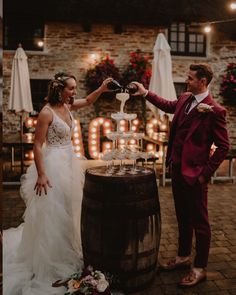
<point x="21" y="145"/>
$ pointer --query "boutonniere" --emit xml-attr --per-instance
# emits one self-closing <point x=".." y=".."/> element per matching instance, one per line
<point x="204" y="108"/>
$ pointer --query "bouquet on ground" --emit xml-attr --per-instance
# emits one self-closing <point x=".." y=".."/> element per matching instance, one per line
<point x="88" y="282"/>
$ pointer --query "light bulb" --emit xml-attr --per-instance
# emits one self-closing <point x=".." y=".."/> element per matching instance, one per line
<point x="207" y="29"/>
<point x="233" y="5"/>
<point x="40" y="43"/>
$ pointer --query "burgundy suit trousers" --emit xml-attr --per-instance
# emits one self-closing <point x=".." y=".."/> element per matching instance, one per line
<point x="192" y="216"/>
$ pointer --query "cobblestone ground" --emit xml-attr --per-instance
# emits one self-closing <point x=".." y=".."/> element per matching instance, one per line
<point x="222" y="260"/>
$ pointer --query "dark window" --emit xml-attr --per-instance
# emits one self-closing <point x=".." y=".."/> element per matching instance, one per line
<point x="29" y="33"/>
<point x="179" y="88"/>
<point x="186" y="40"/>
<point x="39" y="89"/>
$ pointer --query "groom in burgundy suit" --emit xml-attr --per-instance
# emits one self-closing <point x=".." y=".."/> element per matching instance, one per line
<point x="198" y="122"/>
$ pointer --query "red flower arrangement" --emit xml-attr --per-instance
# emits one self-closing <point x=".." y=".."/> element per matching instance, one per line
<point x="104" y="69"/>
<point x="228" y="84"/>
<point x="138" y="69"/>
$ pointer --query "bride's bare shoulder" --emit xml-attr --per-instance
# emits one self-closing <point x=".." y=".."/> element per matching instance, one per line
<point x="46" y="114"/>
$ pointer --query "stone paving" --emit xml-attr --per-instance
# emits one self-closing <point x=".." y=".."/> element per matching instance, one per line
<point x="222" y="260"/>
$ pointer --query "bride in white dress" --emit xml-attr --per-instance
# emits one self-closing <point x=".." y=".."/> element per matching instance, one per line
<point x="47" y="246"/>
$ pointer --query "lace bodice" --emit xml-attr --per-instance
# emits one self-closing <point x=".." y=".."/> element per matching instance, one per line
<point x="59" y="132"/>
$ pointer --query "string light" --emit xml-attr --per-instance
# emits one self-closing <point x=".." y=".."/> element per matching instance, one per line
<point x="207" y="27"/>
<point x="233" y="5"/>
<point x="40" y="43"/>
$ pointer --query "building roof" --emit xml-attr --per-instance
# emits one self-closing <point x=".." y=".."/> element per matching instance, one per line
<point x="120" y="12"/>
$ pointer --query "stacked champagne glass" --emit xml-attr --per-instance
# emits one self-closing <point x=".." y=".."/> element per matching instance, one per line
<point x="125" y="152"/>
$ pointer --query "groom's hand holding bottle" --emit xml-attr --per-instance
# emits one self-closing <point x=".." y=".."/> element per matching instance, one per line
<point x="141" y="90"/>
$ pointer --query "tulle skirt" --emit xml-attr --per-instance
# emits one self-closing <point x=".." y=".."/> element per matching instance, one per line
<point x="47" y="246"/>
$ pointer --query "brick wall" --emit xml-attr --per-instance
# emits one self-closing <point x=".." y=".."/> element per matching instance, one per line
<point x="68" y="47"/>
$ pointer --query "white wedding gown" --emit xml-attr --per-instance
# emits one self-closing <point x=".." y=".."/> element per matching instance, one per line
<point x="47" y="246"/>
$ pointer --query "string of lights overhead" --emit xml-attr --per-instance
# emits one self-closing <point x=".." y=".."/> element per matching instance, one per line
<point x="233" y="5"/>
<point x="208" y="25"/>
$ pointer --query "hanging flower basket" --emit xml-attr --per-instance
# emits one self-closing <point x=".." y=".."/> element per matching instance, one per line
<point x="228" y="84"/>
<point x="138" y="69"/>
<point x="102" y="70"/>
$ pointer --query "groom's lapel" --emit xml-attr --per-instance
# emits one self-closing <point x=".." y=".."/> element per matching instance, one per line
<point x="179" y="110"/>
<point x="197" y="117"/>
<point x="177" y="115"/>
<point x="194" y="114"/>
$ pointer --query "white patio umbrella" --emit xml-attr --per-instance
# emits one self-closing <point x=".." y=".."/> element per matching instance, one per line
<point x="161" y="81"/>
<point x="20" y="101"/>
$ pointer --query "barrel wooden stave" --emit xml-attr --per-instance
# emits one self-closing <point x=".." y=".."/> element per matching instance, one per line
<point x="120" y="227"/>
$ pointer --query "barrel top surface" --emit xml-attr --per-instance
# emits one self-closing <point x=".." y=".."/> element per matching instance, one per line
<point x="101" y="172"/>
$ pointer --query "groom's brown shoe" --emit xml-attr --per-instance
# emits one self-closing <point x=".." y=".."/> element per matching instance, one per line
<point x="193" y="278"/>
<point x="173" y="264"/>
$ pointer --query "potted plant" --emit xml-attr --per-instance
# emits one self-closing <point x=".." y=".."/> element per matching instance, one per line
<point x="228" y="84"/>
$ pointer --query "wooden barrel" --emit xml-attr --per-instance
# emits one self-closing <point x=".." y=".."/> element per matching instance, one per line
<point x="120" y="226"/>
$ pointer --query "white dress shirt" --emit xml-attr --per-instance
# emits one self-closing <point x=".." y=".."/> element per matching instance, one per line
<point x="198" y="98"/>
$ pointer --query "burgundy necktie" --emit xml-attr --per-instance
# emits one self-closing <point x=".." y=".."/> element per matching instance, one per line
<point x="188" y="106"/>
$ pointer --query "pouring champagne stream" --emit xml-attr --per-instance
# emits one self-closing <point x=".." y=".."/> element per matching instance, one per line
<point x="122" y="152"/>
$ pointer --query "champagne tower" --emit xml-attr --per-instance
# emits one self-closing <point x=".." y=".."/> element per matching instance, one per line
<point x="131" y="152"/>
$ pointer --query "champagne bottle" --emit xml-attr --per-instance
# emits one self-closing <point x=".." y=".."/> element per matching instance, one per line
<point x="114" y="85"/>
<point x="131" y="88"/>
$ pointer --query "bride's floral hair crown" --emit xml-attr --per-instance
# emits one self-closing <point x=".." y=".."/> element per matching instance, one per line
<point x="55" y="87"/>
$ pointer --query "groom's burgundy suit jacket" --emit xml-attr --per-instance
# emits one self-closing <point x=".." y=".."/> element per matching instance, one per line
<point x="205" y="129"/>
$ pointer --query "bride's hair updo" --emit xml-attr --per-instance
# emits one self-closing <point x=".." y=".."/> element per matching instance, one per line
<point x="56" y="86"/>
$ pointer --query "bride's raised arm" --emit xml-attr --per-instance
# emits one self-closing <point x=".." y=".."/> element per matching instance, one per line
<point x="92" y="97"/>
